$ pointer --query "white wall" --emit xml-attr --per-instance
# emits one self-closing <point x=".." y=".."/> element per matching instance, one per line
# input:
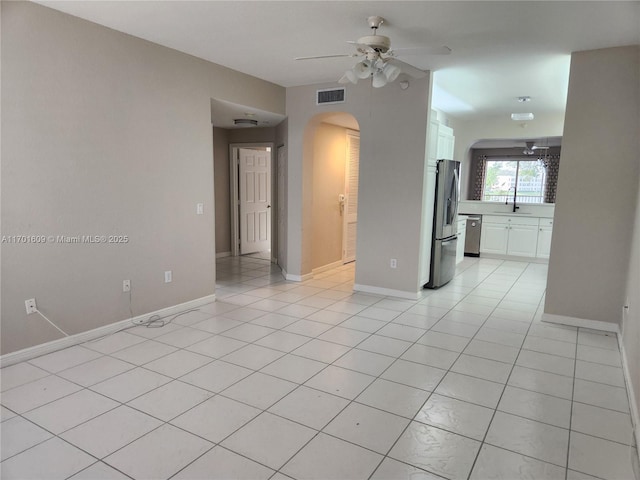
<point x="393" y="128"/>
<point x="104" y="133"/>
<point x="597" y="187"/>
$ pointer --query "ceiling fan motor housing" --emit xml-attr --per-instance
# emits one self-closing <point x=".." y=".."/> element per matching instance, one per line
<point x="379" y="43"/>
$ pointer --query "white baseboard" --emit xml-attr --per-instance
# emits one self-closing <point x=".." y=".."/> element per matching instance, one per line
<point x="296" y="278"/>
<point x="326" y="267"/>
<point x="581" y="322"/>
<point x="65" y="342"/>
<point x="633" y="401"/>
<point x="223" y="254"/>
<point x="387" y="292"/>
<point x="513" y="258"/>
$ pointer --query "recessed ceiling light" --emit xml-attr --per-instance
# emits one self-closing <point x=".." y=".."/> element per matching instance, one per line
<point x="521" y="116"/>
<point x="524" y="99"/>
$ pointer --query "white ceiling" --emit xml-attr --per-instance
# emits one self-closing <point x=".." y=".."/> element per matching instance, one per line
<point x="501" y="50"/>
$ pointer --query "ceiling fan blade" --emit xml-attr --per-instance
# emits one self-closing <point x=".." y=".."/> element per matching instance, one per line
<point x="443" y="50"/>
<point x="407" y="68"/>
<point x="316" y="57"/>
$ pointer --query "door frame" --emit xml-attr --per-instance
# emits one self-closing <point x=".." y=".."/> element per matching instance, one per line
<point x="350" y="133"/>
<point x="235" y="195"/>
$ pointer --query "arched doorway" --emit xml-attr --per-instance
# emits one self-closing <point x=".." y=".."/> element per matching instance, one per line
<point x="334" y="141"/>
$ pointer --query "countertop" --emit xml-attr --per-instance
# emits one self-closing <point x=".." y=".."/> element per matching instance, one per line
<point x="471" y="207"/>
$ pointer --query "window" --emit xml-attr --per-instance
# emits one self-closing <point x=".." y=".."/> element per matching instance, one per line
<point x="502" y="176"/>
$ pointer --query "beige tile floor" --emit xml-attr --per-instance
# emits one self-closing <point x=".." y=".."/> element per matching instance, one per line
<point x="312" y="381"/>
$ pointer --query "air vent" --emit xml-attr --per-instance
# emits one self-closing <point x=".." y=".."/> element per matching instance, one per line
<point x="245" y="122"/>
<point x="328" y="96"/>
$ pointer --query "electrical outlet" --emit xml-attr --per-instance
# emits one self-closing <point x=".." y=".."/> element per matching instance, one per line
<point x="30" y="305"/>
<point x="167" y="276"/>
<point x="199" y="208"/>
<point x="393" y="263"/>
<point x="126" y="285"/>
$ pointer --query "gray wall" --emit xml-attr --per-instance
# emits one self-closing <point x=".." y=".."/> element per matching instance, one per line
<point x="597" y="187"/>
<point x="281" y="138"/>
<point x="104" y="133"/>
<point x="252" y="135"/>
<point x="222" y="187"/>
<point x="393" y="131"/>
<point x="631" y="321"/>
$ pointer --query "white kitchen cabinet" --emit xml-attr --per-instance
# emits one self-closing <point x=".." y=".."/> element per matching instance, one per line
<point x="462" y="235"/>
<point x="445" y="143"/>
<point x="523" y="240"/>
<point x="432" y="153"/>
<point x="441" y="140"/>
<point x="544" y="238"/>
<point x="509" y="235"/>
<point x="494" y="237"/>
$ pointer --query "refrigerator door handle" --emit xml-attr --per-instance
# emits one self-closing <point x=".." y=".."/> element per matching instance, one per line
<point x="455" y="192"/>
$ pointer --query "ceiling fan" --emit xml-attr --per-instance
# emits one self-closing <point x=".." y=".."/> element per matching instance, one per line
<point x="378" y="60"/>
<point x="531" y="148"/>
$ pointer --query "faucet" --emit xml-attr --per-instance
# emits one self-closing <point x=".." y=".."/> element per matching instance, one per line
<point x="515" y="193"/>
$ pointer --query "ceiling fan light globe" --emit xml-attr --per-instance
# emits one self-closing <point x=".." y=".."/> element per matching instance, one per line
<point x="362" y="69"/>
<point x="391" y="72"/>
<point x="379" y="79"/>
<point x="349" y="76"/>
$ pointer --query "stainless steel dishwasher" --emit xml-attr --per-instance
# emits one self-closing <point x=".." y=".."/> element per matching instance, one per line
<point x="472" y="239"/>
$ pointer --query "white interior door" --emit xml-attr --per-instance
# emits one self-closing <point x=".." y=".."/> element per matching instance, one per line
<point x="255" y="200"/>
<point x="350" y="217"/>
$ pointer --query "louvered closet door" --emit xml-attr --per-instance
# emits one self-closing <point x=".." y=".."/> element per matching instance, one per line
<point x="351" y="198"/>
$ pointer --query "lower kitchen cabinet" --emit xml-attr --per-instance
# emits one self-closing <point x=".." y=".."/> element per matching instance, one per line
<point x="544" y="238"/>
<point x="523" y="240"/>
<point x="494" y="237"/>
<point x="506" y="235"/>
<point x="462" y="234"/>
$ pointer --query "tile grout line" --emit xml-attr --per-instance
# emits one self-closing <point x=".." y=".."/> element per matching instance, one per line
<point x="316" y="337"/>
<point x="484" y="438"/>
<point x="386" y="455"/>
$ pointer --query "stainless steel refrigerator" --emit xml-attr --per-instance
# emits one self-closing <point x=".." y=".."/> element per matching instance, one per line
<point x="445" y="226"/>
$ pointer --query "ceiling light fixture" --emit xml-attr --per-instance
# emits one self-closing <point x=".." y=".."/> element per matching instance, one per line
<point x="245" y="122"/>
<point x="519" y="117"/>
<point x="380" y="71"/>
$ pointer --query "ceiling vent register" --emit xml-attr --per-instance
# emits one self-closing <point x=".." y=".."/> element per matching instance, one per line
<point x="329" y="96"/>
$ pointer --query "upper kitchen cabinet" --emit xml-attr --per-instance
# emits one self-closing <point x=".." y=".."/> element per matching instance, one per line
<point x="446" y="141"/>
<point x="441" y="140"/>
